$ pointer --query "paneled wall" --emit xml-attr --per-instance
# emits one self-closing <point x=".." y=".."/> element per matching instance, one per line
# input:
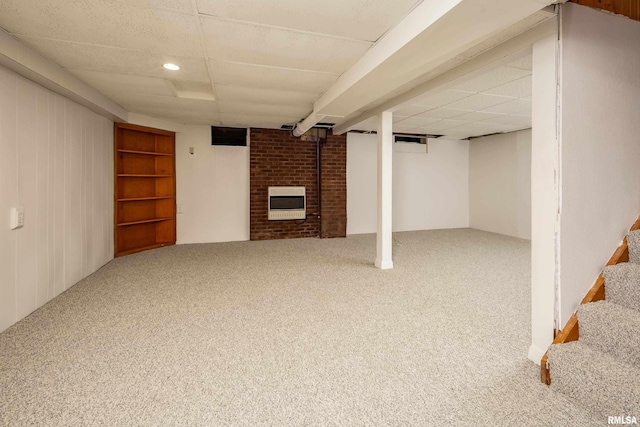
<point x="56" y="161"/>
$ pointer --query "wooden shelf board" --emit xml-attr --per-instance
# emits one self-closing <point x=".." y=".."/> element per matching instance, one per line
<point x="137" y="199"/>
<point x="146" y="129"/>
<point x="146" y="221"/>
<point x="144" y="169"/>
<point x="133" y="175"/>
<point x="154" y="246"/>
<point x="150" y="153"/>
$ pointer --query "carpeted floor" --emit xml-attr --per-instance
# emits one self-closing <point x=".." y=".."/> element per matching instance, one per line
<point x="289" y="333"/>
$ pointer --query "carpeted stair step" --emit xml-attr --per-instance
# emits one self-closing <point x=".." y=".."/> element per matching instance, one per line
<point x="611" y="328"/>
<point x="633" y="242"/>
<point x="595" y="380"/>
<point x="622" y="284"/>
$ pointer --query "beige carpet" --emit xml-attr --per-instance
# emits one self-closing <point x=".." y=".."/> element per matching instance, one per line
<point x="289" y="333"/>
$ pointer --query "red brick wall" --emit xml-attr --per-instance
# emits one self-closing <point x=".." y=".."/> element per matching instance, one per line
<point x="333" y="200"/>
<point x="279" y="159"/>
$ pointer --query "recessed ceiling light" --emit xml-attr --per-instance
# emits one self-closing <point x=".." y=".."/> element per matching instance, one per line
<point x="172" y="67"/>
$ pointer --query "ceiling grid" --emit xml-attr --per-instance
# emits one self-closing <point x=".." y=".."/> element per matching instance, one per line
<point x="246" y="62"/>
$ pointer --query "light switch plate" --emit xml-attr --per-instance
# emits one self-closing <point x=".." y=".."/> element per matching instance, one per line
<point x="192" y="152"/>
<point x="17" y="217"/>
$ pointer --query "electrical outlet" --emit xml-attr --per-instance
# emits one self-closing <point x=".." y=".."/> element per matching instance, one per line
<point x="17" y="217"/>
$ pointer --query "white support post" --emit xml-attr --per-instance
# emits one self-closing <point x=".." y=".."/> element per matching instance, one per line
<point x="545" y="197"/>
<point x="385" y="162"/>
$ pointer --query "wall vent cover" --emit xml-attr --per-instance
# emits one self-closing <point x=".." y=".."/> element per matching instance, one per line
<point x="235" y="137"/>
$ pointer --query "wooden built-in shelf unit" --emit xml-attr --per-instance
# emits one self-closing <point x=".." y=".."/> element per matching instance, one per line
<point x="145" y="188"/>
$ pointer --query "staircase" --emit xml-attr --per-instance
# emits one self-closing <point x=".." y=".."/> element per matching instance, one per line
<point x="596" y="358"/>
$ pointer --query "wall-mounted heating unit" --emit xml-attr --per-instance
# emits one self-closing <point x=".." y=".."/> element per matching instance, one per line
<point x="287" y="203"/>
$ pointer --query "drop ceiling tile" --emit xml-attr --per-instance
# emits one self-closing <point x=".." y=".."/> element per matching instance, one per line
<point x="526" y="109"/>
<point x="190" y="111"/>
<point x="441" y="99"/>
<point x="477" y="128"/>
<point x="493" y="78"/>
<point x="515" y="128"/>
<point x="187" y="86"/>
<point x="101" y="23"/>
<point x="255" y="44"/>
<point x="184" y="6"/>
<point x="405" y="129"/>
<point x="244" y="108"/>
<point x="503" y="119"/>
<point x="428" y="130"/>
<point x="522" y="117"/>
<point x="478" y="101"/>
<point x="522" y="122"/>
<point x="520" y="88"/>
<point x="442" y="113"/>
<point x="477" y="116"/>
<point x="180" y="5"/>
<point x="265" y="96"/>
<point x="109" y="84"/>
<point x="357" y="19"/>
<point x="128" y="99"/>
<point x="525" y="63"/>
<point x="370" y="124"/>
<point x="197" y="117"/>
<point x="455" y="137"/>
<point x="447" y="124"/>
<point x="416" y="121"/>
<point x="248" y="120"/>
<point x="396" y="118"/>
<point x="512" y="107"/>
<point x="194" y="90"/>
<point x="411" y="110"/>
<point x="80" y="56"/>
<point x="247" y="75"/>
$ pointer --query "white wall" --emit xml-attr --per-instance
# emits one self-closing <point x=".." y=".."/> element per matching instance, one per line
<point x="212" y="189"/>
<point x="56" y="160"/>
<point x="600" y="144"/>
<point x="500" y="184"/>
<point x="430" y="191"/>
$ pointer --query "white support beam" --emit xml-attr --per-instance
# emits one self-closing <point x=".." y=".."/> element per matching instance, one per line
<point x="433" y="33"/>
<point x="384" y="259"/>
<point x="502" y="54"/>
<point x="23" y="60"/>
